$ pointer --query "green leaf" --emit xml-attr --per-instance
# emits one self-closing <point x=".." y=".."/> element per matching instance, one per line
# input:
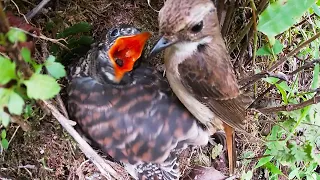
<point x="5" y="143"/>
<point x="3" y="134"/>
<point x="26" y="54"/>
<point x="272" y="168"/>
<point x="8" y="70"/>
<point x="263" y="161"/>
<point x="216" y="150"/>
<point x="266" y="50"/>
<point x="16" y="35"/>
<point x="294" y="173"/>
<point x="4" y="118"/>
<point x="54" y="68"/>
<point x="75" y="29"/>
<point x="316" y="9"/>
<point x="37" y="67"/>
<point x="281" y="15"/>
<point x="247" y="175"/>
<point x="15" y="104"/>
<point x="41" y="86"/>
<point x="83" y="40"/>
<point x="298" y="153"/>
<point x="315" y="78"/>
<point x="28" y="110"/>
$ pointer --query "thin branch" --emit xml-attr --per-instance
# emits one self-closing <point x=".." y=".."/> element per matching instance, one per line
<point x="36" y="10"/>
<point x="290" y="107"/>
<point x="101" y="163"/>
<point x="305" y="66"/>
<point x="253" y="79"/>
<point x="227" y="20"/>
<point x="245" y="31"/>
<point x="284" y="59"/>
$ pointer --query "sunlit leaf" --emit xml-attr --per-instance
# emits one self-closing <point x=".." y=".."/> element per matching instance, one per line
<point x="16" y="35"/>
<point x="315" y="79"/>
<point x="272" y="168"/>
<point x="263" y="161"/>
<point x="281" y="15"/>
<point x="294" y="173"/>
<point x="5" y="143"/>
<point x="56" y="69"/>
<point x="15" y="104"/>
<point x="26" y="54"/>
<point x="247" y="175"/>
<point x="316" y="9"/>
<point x="3" y="134"/>
<point x="7" y="71"/>
<point x="266" y="50"/>
<point x="4" y="118"/>
<point x="42" y="87"/>
<point x="216" y="150"/>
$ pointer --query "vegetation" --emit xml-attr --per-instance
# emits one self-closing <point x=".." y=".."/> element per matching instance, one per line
<point x="275" y="55"/>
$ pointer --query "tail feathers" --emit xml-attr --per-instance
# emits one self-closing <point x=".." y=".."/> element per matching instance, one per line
<point x="231" y="148"/>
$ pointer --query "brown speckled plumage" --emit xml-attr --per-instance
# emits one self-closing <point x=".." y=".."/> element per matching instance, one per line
<point x="138" y="122"/>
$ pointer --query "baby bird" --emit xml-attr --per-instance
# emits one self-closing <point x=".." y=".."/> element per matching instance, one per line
<point x="128" y="108"/>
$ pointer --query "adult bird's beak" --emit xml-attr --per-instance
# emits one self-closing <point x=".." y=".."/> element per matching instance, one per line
<point x="128" y="49"/>
<point x="162" y="44"/>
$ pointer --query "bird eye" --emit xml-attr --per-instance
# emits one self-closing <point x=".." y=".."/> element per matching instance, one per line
<point x="198" y="27"/>
<point x="114" y="33"/>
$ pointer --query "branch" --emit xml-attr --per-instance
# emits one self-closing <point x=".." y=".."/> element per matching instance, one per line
<point x="252" y="79"/>
<point x="36" y="10"/>
<point x="283" y="59"/>
<point x="102" y="164"/>
<point x="290" y="107"/>
<point x="305" y="66"/>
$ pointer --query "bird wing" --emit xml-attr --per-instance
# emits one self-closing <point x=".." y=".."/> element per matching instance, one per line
<point x="134" y="124"/>
<point x="214" y="84"/>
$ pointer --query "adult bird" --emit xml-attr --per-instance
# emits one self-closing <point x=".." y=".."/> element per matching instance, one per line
<point x="198" y="67"/>
<point x="128" y="109"/>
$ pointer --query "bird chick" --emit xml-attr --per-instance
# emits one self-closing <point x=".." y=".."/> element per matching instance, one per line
<point x="128" y="108"/>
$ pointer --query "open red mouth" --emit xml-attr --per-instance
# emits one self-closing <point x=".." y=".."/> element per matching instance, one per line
<point x="128" y="49"/>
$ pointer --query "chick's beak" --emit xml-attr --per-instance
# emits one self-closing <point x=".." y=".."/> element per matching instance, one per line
<point x="162" y="44"/>
<point x="128" y="49"/>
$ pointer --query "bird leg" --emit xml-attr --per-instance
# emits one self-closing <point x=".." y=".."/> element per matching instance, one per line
<point x="231" y="149"/>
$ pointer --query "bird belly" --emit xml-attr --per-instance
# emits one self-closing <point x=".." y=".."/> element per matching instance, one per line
<point x="196" y="108"/>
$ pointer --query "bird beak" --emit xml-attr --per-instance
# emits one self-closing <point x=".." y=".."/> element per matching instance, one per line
<point x="162" y="44"/>
<point x="129" y="50"/>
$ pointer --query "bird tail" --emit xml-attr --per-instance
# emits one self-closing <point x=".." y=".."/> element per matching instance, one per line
<point x="231" y="147"/>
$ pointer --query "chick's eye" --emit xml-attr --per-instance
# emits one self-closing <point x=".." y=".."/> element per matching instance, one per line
<point x="198" y="27"/>
<point x="114" y="33"/>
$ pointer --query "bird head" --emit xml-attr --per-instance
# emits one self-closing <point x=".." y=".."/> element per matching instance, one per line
<point x="122" y="47"/>
<point x="187" y="22"/>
